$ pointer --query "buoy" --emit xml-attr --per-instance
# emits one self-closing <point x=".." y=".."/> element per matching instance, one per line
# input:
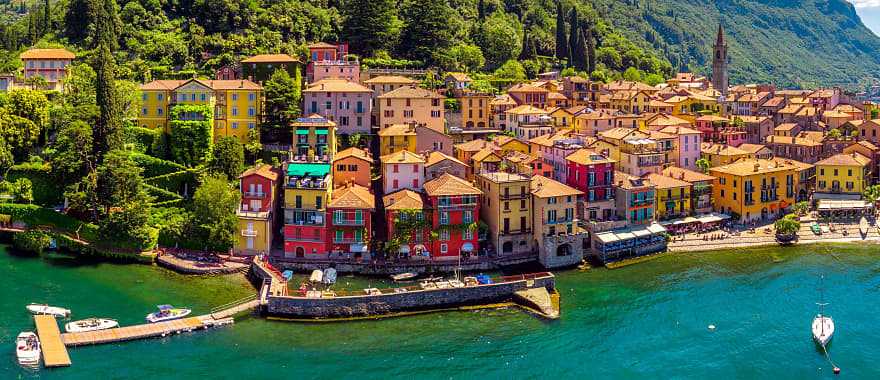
<point x="837" y="370"/>
<point x="712" y="327"/>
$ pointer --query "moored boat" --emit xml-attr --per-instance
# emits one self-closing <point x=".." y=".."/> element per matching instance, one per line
<point x="43" y="309"/>
<point x="167" y="313"/>
<point x="404" y="276"/>
<point x="863" y="226"/>
<point x="27" y="348"/>
<point x="823" y="329"/>
<point x="90" y="324"/>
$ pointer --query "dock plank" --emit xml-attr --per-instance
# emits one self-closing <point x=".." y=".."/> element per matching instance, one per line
<point x="54" y="351"/>
<point x="131" y="332"/>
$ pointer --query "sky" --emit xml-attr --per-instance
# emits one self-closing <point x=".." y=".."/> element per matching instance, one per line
<point x="869" y="11"/>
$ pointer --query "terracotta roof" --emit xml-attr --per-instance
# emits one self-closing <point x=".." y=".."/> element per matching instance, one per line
<point x="504" y="177"/>
<point x="474" y="145"/>
<point x="520" y="157"/>
<point x="214" y="84"/>
<point x="355" y="196"/>
<point x="786" y="140"/>
<point x="577" y="79"/>
<point x="664" y="182"/>
<point x="503" y="99"/>
<point x="459" y="77"/>
<point x="556" y="95"/>
<point x="751" y="166"/>
<point x="47" y="54"/>
<point x="854" y="159"/>
<point x="436" y="157"/>
<point x="774" y="102"/>
<point x="588" y="157"/>
<point x="686" y="175"/>
<point x="485" y="153"/>
<point x="410" y="92"/>
<point x="657" y="135"/>
<point x="391" y="79"/>
<point x="753" y="119"/>
<point x="712" y="118"/>
<point x="752" y="148"/>
<point x="265" y="171"/>
<point x="543" y="187"/>
<point x="404" y="199"/>
<point x="398" y="130"/>
<point x="869" y="145"/>
<point x="402" y="157"/>
<point x="658" y="103"/>
<point x="785" y="127"/>
<point x="313" y="120"/>
<point x="548" y="139"/>
<point x="526" y="109"/>
<point x="336" y="85"/>
<point x="721" y="149"/>
<point x="522" y="87"/>
<point x="270" y="58"/>
<point x="353" y="152"/>
<point x="676" y="130"/>
<point x="502" y="140"/>
<point x="835" y="113"/>
<point x="448" y="184"/>
<point x="626" y="181"/>
<point x="621" y="133"/>
<point x="321" y="45"/>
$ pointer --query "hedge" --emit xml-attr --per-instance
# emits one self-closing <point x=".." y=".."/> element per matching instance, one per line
<point x="35" y="215"/>
<point x="183" y="182"/>
<point x="45" y="188"/>
<point x="160" y="194"/>
<point x="147" y="141"/>
<point x="155" y="166"/>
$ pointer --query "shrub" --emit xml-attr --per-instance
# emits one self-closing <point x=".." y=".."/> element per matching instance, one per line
<point x="35" y="215"/>
<point x="31" y="241"/>
<point x="155" y="166"/>
<point x="44" y="188"/>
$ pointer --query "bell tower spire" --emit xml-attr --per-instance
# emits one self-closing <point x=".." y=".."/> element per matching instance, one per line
<point x="720" y="79"/>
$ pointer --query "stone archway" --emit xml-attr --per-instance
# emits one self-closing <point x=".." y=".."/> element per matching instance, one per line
<point x="563" y="250"/>
<point x="507" y="247"/>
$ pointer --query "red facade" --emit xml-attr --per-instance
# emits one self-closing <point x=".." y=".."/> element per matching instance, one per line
<point x="257" y="193"/>
<point x="449" y="218"/>
<point x="596" y="180"/>
<point x="350" y="229"/>
<point x="306" y="241"/>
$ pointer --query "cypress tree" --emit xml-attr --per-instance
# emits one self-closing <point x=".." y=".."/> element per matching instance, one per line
<point x="561" y="39"/>
<point x="107" y="133"/>
<point x="579" y="53"/>
<point x="481" y="10"/>
<point x="573" y="34"/>
<point x="591" y="50"/>
<point x="370" y="25"/>
<point x="46" y="20"/>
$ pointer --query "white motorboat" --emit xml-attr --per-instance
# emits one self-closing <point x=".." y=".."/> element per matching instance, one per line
<point x="404" y="276"/>
<point x="823" y="329"/>
<point x="43" y="309"/>
<point x="90" y="324"/>
<point x="27" y="348"/>
<point x="167" y="313"/>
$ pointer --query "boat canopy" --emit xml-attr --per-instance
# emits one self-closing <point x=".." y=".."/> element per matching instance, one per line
<point x="165" y="307"/>
<point x="316" y="276"/>
<point x="467" y="247"/>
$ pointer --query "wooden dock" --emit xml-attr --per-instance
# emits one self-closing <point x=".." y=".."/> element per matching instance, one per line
<point x="54" y="350"/>
<point x="135" y="332"/>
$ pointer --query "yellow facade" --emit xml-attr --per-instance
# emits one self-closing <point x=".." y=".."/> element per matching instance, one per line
<point x="688" y="107"/>
<point x="554" y="208"/>
<point x="255" y="234"/>
<point x="475" y="111"/>
<point x="507" y="211"/>
<point x="843" y="173"/>
<point x="237" y="104"/>
<point x="672" y="195"/>
<point x="755" y="189"/>
<point x="396" y="138"/>
<point x="630" y="101"/>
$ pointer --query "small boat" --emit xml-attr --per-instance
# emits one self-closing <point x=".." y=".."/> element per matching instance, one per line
<point x="823" y="328"/>
<point x="167" y="313"/>
<point x="43" y="309"/>
<point x="288" y="274"/>
<point x="317" y="276"/>
<point x="404" y="276"/>
<point x="815" y="228"/>
<point x="90" y="324"/>
<point x="863" y="226"/>
<point x="27" y="348"/>
<point x="329" y="276"/>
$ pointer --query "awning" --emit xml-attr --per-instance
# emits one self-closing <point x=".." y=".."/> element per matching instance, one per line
<point x="403" y="249"/>
<point x="307" y="169"/>
<point x="320" y="131"/>
<point x="358" y="248"/>
<point x="302" y="131"/>
<point x="467" y="247"/>
<point x="831" y="205"/>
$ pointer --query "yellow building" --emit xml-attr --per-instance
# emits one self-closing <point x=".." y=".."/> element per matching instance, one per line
<point x="507" y="210"/>
<point x="722" y="154"/>
<point x="236" y="103"/>
<point x="410" y="104"/>
<point x="843" y="174"/>
<point x="256" y="210"/>
<point x="755" y="189"/>
<point x="510" y="144"/>
<point x="554" y="206"/>
<point x="688" y="107"/>
<point x="673" y="196"/>
<point x="563" y="117"/>
<point x="475" y="111"/>
<point x="397" y="137"/>
<point x="630" y="101"/>
<point x="314" y="137"/>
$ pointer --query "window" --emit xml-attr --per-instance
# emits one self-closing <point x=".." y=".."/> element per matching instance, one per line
<point x="444" y="217"/>
<point x="467" y="217"/>
<point x="328" y="105"/>
<point x="415" y="183"/>
<point x="234" y="125"/>
<point x="203" y="97"/>
<point x="444" y="248"/>
<point x="340" y="168"/>
<point x="144" y="111"/>
<point x="234" y="96"/>
<point x="352" y="168"/>
<point x="339" y="236"/>
<point x="251" y="125"/>
<point x="467" y="234"/>
<point x="395" y="168"/>
<point x="252" y="96"/>
<point x="160" y="96"/>
<point x="144" y="96"/>
<point x="394" y="184"/>
<point x="159" y="111"/>
<point x="318" y="202"/>
<point x="444" y="235"/>
<point x="234" y="111"/>
<point x="415" y="168"/>
<point x="251" y="111"/>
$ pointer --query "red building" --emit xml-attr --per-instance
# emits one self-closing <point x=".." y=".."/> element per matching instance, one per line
<point x="307" y="187"/>
<point x="405" y="216"/>
<point x="331" y="61"/>
<point x="593" y="174"/>
<point x="350" y="219"/>
<point x="456" y="207"/>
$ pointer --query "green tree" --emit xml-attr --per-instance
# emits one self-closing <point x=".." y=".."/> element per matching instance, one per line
<point x="31" y="241"/>
<point x="430" y="27"/>
<point x="573" y="32"/>
<point x="23" y="190"/>
<point x="125" y="203"/>
<point x="653" y="79"/>
<point x="875" y="113"/>
<point x="872" y="194"/>
<point x="591" y="50"/>
<point x="500" y="39"/>
<point x="106" y="134"/>
<point x="703" y="164"/>
<point x="282" y="101"/>
<point x="632" y="74"/>
<point x="214" y="206"/>
<point x="511" y="70"/>
<point x="788" y="225"/>
<point x="227" y="158"/>
<point x="801" y="208"/>
<point x="253" y="147"/>
<point x="29" y="104"/>
<point x="561" y="39"/>
<point x="71" y="157"/>
<point x="80" y="14"/>
<point x="834" y="134"/>
<point x="462" y="57"/>
<point x="370" y="25"/>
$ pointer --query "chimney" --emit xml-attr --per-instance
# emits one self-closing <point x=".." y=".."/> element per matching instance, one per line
<point x="757" y="166"/>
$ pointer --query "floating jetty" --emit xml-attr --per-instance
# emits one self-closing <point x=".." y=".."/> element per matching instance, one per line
<point x="54" y="351"/>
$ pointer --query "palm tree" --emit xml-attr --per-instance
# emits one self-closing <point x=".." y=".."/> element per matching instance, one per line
<point x="703" y="164"/>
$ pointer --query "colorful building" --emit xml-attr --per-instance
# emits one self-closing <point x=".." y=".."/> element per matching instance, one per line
<point x="456" y="208"/>
<point x="307" y="189"/>
<point x="402" y="170"/>
<point x="352" y="166"/>
<point x="507" y="211"/>
<point x="409" y="223"/>
<point x="721" y="154"/>
<point x="397" y="137"/>
<point x="464" y="152"/>
<point x="673" y="196"/>
<point x="527" y="94"/>
<point x="559" y="239"/>
<point x="499" y="106"/>
<point x="686" y="147"/>
<point x="701" y="187"/>
<point x="593" y="174"/>
<point x="634" y="199"/>
<point x="351" y="223"/>
<point x="843" y="175"/>
<point x="256" y="210"/>
<point x="236" y="104"/>
<point x="50" y="64"/>
<point x="260" y="68"/>
<point x="411" y="104"/>
<point x="344" y="102"/>
<point x="332" y="61"/>
<point x="754" y="189"/>
<point x="438" y="163"/>
<point x="314" y="138"/>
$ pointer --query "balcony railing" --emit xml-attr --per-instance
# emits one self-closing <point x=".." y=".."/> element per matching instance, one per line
<point x="249" y="233"/>
<point x="517" y="231"/>
<point x="307" y="184"/>
<point x="348" y="222"/>
<point x="506" y="197"/>
<point x="254" y="194"/>
<point x="458" y="206"/>
<point x="636" y="203"/>
<point x="348" y="241"/>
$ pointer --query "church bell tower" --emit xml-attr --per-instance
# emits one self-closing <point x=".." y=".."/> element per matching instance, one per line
<point x="720" y="79"/>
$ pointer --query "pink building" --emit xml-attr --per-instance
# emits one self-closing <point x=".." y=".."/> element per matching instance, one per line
<point x="51" y="64"/>
<point x="332" y="61"/>
<point x="344" y="102"/>
<point x="402" y="170"/>
<point x="687" y="146"/>
<point x="721" y="130"/>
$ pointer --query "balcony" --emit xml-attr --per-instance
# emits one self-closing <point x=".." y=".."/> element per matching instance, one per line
<point x="749" y="202"/>
<point x="249" y="233"/>
<point x="254" y="194"/>
<point x="303" y="218"/>
<point x="307" y="183"/>
<point x="457" y="206"/>
<point x="348" y="241"/>
<point x="348" y="222"/>
<point x="517" y="232"/>
<point x="508" y="197"/>
<point x="639" y="203"/>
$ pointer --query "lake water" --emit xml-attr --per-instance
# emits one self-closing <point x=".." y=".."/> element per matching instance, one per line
<point x="644" y="321"/>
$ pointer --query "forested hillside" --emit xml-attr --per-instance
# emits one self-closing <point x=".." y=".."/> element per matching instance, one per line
<point x="790" y="42"/>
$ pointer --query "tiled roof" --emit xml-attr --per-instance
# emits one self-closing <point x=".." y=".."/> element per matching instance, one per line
<point x="677" y="130"/>
<point x="588" y="157"/>
<point x="663" y="182"/>
<point x="792" y="141"/>
<point x="503" y="177"/>
<point x="475" y="145"/>
<point x="313" y="120"/>
<point x="448" y="184"/>
<point x="402" y="157"/>
<point x="410" y="92"/>
<point x="519" y="157"/>
<point x="436" y="157"/>
<point x="523" y="87"/>
<point x="336" y="85"/>
<point x="502" y="140"/>
<point x="628" y="182"/>
<point x="321" y="45"/>
<point x="621" y="133"/>
<point x="548" y="139"/>
<point x="752" y="148"/>
<point x="398" y="130"/>
<point x="753" y="166"/>
<point x="526" y="109"/>
<point x="265" y="171"/>
<point x="405" y="199"/>
<point x="544" y="187"/>
<point x="721" y="149"/>
<point x="270" y="58"/>
<point x="485" y="153"/>
<point x="355" y="196"/>
<point x="854" y="159"/>
<point x="686" y="175"/>
<point x="556" y="95"/>
<point x="214" y="84"/>
<point x="774" y="102"/>
<point x="785" y="127"/>
<point x="391" y="79"/>
<point x="47" y="54"/>
<point x="353" y="152"/>
<point x="459" y="77"/>
<point x="503" y="99"/>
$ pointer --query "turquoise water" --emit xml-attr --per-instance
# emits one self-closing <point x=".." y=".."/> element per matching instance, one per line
<point x="645" y="321"/>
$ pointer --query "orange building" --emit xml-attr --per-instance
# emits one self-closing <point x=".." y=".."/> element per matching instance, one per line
<point x="410" y="104"/>
<point x="352" y="165"/>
